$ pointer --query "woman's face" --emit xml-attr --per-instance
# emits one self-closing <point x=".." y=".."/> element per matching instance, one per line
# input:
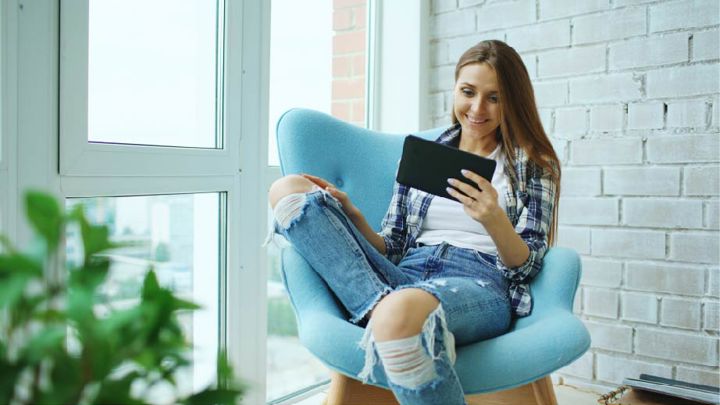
<point x="476" y="104"/>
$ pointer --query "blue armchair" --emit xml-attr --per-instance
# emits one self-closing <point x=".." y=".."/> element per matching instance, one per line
<point x="512" y="368"/>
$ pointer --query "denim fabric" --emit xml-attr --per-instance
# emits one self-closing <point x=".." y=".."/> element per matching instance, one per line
<point x="473" y="294"/>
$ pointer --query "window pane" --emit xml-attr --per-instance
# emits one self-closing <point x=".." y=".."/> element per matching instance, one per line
<point x="317" y="61"/>
<point x="178" y="235"/>
<point x="290" y="366"/>
<point x="152" y="72"/>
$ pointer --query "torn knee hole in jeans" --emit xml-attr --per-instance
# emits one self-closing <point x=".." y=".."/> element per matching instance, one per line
<point x="289" y="208"/>
<point x="395" y="353"/>
<point x="405" y="361"/>
<point x="286" y="212"/>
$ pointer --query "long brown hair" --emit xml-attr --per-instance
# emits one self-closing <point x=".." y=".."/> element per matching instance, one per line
<point x="520" y="124"/>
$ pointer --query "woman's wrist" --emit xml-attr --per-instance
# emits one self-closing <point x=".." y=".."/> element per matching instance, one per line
<point x="495" y="218"/>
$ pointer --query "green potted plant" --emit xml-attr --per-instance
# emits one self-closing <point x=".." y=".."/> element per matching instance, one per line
<point x="60" y="345"/>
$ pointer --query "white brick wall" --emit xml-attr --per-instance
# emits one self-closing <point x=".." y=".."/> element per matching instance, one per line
<point x="616" y="24"/>
<point x="589" y="211"/>
<point x="606" y="118"/>
<point x="683" y="149"/>
<point x="572" y="61"/>
<point x="601" y="272"/>
<point x="628" y="92"/>
<point x="645" y="115"/>
<point x="581" y="182"/>
<point x="607" y="88"/>
<point x="614" y="369"/>
<point x="642" y="180"/>
<point x="706" y="45"/>
<point x="695" y="247"/>
<point x="680" y="313"/>
<point x="691" y="80"/>
<point x="643" y="52"/>
<point x="677" y="346"/>
<point x="601" y="302"/>
<point x="611" y="336"/>
<point x="659" y="277"/>
<point x="571" y="121"/>
<point x="540" y="36"/>
<point x="687" y="113"/>
<point x="662" y="213"/>
<point x="640" y="307"/>
<point x="672" y="15"/>
<point x="702" y="180"/>
<point x="608" y="151"/>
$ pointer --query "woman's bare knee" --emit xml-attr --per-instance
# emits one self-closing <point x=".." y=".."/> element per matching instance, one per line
<point x="289" y="184"/>
<point x="402" y="314"/>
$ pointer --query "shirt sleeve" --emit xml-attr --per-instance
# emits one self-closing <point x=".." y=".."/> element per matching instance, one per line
<point x="394" y="225"/>
<point x="533" y="224"/>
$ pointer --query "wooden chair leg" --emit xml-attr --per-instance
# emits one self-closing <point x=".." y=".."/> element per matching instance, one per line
<point x="346" y="391"/>
<point x="544" y="391"/>
<point x="539" y="392"/>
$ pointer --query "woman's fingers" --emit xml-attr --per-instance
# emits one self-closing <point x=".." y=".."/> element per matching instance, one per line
<point x="464" y="199"/>
<point x="317" y="180"/>
<point x="478" y="179"/>
<point x="465" y="188"/>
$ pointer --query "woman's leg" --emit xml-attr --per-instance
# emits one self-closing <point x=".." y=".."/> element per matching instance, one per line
<point x="414" y="328"/>
<point x="415" y="347"/>
<point x="314" y="222"/>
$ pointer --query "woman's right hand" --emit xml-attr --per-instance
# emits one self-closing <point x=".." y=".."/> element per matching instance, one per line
<point x="350" y="209"/>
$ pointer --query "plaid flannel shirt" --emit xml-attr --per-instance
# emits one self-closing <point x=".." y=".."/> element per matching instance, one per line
<point x="530" y="198"/>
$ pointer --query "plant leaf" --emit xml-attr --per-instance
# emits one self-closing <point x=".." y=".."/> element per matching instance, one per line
<point x="95" y="237"/>
<point x="151" y="287"/>
<point x="214" y="396"/>
<point x="45" y="215"/>
<point x="7" y="245"/>
<point x="18" y="263"/>
<point x="181" y="304"/>
<point x="12" y="289"/>
<point x="44" y="344"/>
<point x="91" y="275"/>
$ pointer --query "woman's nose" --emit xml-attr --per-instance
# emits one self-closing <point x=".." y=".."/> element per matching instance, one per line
<point x="478" y="104"/>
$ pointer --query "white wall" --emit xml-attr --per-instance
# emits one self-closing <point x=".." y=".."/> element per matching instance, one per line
<point x="628" y="91"/>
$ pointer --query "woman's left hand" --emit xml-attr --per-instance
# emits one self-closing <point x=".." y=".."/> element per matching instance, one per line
<point x="477" y="195"/>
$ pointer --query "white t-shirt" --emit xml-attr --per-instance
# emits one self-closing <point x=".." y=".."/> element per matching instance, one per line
<point x="446" y="220"/>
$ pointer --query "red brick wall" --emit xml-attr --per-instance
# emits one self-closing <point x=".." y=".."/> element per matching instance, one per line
<point x="348" y="69"/>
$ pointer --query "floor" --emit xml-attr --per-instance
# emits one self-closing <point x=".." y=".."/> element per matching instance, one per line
<point x="566" y="395"/>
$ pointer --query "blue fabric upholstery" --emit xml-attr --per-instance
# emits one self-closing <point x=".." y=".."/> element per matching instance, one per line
<point x="363" y="164"/>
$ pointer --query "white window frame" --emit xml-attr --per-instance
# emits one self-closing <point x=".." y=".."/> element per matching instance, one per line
<point x="78" y="157"/>
<point x="8" y="116"/>
<point x="35" y="113"/>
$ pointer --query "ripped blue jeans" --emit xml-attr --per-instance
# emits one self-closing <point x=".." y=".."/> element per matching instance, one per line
<point x="473" y="295"/>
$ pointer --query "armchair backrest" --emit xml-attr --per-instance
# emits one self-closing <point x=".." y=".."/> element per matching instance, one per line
<point x="360" y="162"/>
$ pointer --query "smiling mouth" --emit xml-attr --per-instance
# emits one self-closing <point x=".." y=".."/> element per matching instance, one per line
<point x="476" y="121"/>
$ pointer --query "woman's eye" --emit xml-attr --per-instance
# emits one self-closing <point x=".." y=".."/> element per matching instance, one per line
<point x="467" y="92"/>
<point x="493" y="99"/>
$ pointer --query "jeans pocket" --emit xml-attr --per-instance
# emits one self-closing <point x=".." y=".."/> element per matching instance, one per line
<point x="482" y="259"/>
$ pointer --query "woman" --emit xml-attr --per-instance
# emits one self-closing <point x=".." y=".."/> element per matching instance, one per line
<point x="441" y="272"/>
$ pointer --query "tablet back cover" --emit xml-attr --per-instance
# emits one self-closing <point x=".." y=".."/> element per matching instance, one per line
<point x="426" y="165"/>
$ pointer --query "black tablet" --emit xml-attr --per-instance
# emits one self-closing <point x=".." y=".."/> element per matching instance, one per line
<point x="426" y="165"/>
